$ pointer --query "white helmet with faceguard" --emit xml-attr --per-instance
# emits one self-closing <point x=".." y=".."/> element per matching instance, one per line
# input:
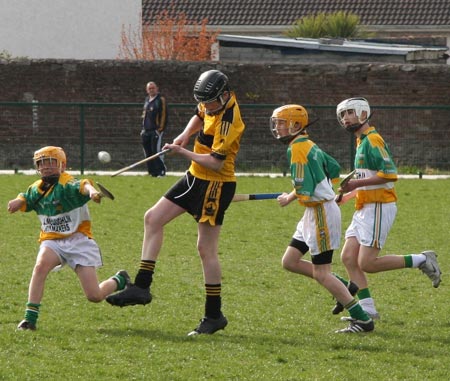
<point x="288" y="121"/>
<point x="356" y="105"/>
<point x="50" y="157"/>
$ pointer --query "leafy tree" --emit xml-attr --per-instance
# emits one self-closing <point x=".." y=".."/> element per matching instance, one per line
<point x="5" y="55"/>
<point x="170" y="37"/>
<point x="334" y="25"/>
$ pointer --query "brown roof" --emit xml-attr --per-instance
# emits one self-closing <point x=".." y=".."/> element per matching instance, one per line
<point x="285" y="12"/>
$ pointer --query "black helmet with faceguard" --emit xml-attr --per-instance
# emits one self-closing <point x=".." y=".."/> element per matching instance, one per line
<point x="210" y="86"/>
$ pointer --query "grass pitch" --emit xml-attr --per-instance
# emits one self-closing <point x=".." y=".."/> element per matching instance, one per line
<point x="280" y="325"/>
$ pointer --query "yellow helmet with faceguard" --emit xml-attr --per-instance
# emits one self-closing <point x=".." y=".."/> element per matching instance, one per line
<point x="44" y="157"/>
<point x="292" y="119"/>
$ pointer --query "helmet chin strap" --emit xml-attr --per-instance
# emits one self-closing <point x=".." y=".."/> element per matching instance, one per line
<point x="219" y="109"/>
<point x="50" y="180"/>
<point x="47" y="184"/>
<point x="288" y="138"/>
<point x="355" y="127"/>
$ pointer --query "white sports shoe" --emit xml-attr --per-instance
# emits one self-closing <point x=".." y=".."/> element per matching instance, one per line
<point x="356" y="326"/>
<point x="430" y="267"/>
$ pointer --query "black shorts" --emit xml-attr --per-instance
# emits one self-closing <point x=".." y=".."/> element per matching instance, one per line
<point x="205" y="200"/>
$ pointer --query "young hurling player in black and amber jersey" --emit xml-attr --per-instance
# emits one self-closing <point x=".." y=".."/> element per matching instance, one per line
<point x="220" y="137"/>
<point x="205" y="192"/>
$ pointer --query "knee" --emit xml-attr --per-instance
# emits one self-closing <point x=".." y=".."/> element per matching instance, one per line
<point x="319" y="277"/>
<point x="41" y="269"/>
<point x="206" y="253"/>
<point x="94" y="297"/>
<point x="348" y="260"/>
<point x="148" y="216"/>
<point x="149" y="219"/>
<point x="286" y="263"/>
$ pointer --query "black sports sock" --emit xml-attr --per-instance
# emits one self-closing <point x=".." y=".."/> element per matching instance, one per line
<point x="213" y="302"/>
<point x="144" y="277"/>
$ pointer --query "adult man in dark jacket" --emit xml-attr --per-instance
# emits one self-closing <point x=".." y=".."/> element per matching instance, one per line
<point x="154" y="121"/>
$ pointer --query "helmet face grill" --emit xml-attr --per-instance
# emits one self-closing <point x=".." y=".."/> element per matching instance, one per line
<point x="48" y="155"/>
<point x="210" y="86"/>
<point x="359" y="105"/>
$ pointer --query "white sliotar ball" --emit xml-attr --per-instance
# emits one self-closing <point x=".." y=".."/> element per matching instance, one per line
<point x="104" y="157"/>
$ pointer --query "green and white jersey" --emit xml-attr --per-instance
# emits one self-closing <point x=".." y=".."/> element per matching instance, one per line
<point x="374" y="158"/>
<point x="312" y="171"/>
<point x="62" y="211"/>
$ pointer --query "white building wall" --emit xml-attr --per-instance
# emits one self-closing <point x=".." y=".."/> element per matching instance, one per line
<point x="66" y="29"/>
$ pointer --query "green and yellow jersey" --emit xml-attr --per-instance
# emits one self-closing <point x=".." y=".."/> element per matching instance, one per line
<point x="374" y="158"/>
<point x="220" y="137"/>
<point x="62" y="211"/>
<point x="312" y="171"/>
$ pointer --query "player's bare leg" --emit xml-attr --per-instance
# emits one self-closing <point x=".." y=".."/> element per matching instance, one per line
<point x="96" y="292"/>
<point x="293" y="262"/>
<point x="155" y="219"/>
<point x="46" y="260"/>
<point x="351" y="258"/>
<point x="208" y="249"/>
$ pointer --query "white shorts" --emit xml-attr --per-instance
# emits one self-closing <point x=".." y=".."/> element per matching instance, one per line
<point x="76" y="250"/>
<point x="320" y="227"/>
<point x="371" y="224"/>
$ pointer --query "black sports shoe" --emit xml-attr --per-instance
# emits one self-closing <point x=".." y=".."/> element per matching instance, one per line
<point x="357" y="326"/>
<point x="338" y="307"/>
<point x="130" y="296"/>
<point x="25" y="325"/>
<point x="209" y="326"/>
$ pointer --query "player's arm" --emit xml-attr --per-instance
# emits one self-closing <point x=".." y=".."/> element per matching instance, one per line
<point x="87" y="189"/>
<point x="177" y="147"/>
<point x="367" y="181"/>
<point x="16" y="204"/>
<point x="162" y="115"/>
<point x="194" y="125"/>
<point x="346" y="197"/>
<point x="286" y="198"/>
<point x="206" y="160"/>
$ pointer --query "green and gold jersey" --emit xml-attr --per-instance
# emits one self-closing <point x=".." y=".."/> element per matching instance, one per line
<point x="62" y="211"/>
<point x="374" y="158"/>
<point x="312" y="171"/>
<point x="220" y="137"/>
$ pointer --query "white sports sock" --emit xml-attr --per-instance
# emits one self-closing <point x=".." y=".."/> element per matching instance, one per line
<point x="417" y="259"/>
<point x="368" y="305"/>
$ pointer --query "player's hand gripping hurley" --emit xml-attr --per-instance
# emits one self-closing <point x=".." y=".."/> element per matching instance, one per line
<point x="343" y="183"/>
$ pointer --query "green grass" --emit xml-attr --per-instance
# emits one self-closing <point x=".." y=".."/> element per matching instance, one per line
<point x="280" y="325"/>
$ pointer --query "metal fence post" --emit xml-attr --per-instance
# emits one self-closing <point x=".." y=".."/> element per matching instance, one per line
<point x="82" y="124"/>
<point x="352" y="152"/>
